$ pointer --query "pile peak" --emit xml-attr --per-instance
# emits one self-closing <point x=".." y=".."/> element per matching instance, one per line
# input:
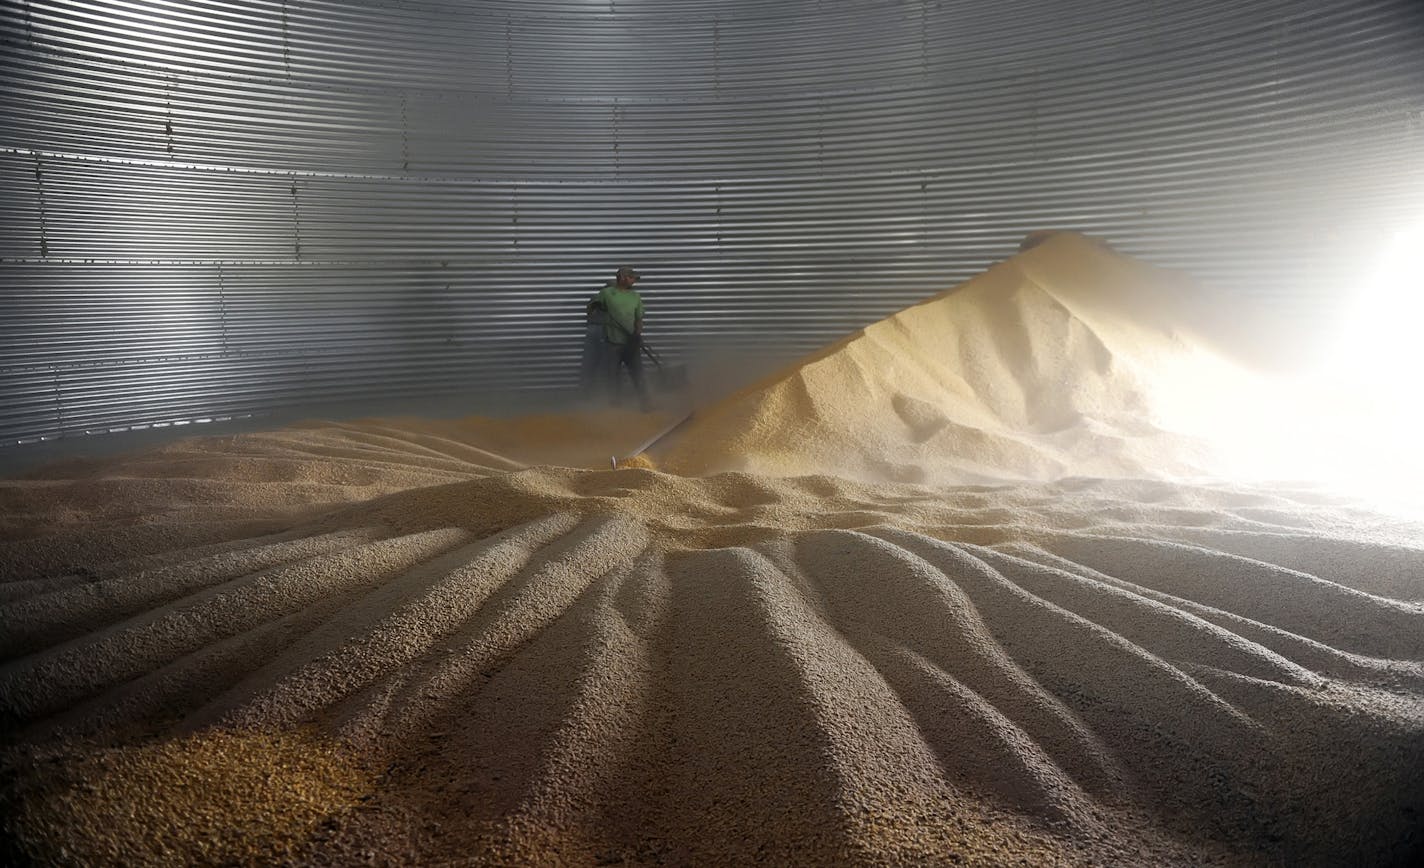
<point x="1064" y="360"/>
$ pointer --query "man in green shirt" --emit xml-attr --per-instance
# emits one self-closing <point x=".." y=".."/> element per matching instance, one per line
<point x="623" y="329"/>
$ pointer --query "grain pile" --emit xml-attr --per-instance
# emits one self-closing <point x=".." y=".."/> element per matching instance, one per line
<point x="215" y="798"/>
<point x="404" y="641"/>
<point x="1066" y="360"/>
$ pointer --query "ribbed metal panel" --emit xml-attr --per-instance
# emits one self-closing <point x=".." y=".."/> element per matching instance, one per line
<point x="220" y="207"/>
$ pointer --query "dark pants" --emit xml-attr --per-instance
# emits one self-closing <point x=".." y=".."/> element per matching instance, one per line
<point x="592" y="365"/>
<point x="628" y="355"/>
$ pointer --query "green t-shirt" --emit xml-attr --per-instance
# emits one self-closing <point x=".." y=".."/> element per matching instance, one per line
<point x="625" y="308"/>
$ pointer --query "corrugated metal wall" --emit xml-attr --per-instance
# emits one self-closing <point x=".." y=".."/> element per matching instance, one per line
<point x="221" y="206"/>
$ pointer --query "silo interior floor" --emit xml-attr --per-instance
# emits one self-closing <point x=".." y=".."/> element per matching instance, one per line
<point x="979" y="583"/>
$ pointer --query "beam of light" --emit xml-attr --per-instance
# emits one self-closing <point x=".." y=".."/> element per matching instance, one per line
<point x="1352" y="421"/>
<point x="1363" y="408"/>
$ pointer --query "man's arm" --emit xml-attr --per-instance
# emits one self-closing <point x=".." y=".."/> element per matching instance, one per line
<point x="638" y="319"/>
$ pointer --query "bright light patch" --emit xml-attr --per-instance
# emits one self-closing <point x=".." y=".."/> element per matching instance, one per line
<point x="1353" y="423"/>
<point x="1364" y="422"/>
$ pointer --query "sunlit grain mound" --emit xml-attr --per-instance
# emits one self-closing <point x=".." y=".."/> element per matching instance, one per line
<point x="1066" y="360"/>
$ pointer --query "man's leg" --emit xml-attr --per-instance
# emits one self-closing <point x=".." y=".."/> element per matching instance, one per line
<point x="613" y="357"/>
<point x="635" y="372"/>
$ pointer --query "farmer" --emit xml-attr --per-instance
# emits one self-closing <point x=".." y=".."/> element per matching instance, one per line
<point x="622" y="310"/>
